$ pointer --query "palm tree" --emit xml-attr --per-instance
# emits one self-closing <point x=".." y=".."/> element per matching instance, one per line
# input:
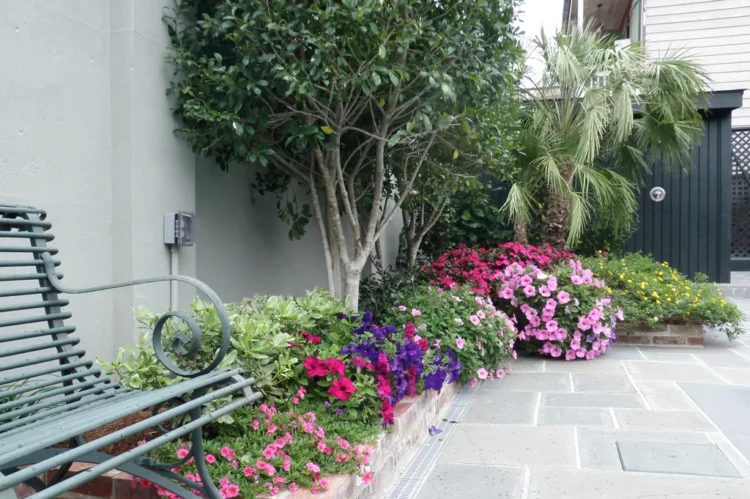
<point x="589" y="123"/>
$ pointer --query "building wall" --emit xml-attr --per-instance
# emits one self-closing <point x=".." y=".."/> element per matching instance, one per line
<point x="55" y="143"/>
<point x="243" y="247"/>
<point x="716" y="34"/>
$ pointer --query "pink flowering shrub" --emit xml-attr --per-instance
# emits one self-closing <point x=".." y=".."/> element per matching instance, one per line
<point x="564" y="313"/>
<point x="266" y="451"/>
<point x="468" y="337"/>
<point x="480" y="268"/>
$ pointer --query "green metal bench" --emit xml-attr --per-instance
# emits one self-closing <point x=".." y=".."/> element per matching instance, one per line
<point x="50" y="394"/>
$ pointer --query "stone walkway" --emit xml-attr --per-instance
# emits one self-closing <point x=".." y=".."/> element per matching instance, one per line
<point x="638" y="423"/>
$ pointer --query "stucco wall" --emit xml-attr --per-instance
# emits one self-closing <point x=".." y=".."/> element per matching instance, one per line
<point x="55" y="139"/>
<point x="86" y="133"/>
<point x="243" y="248"/>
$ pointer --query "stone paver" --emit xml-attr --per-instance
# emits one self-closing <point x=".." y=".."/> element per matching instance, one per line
<point x="625" y="400"/>
<point x="488" y="406"/>
<point x="601" y="366"/>
<point x="662" y="395"/>
<point x="576" y="416"/>
<point x="734" y="376"/>
<point x="638" y="419"/>
<point x="602" y="383"/>
<point x="549" y="483"/>
<point x="673" y="371"/>
<point x="638" y="423"/>
<point x="532" y="382"/>
<point x="598" y="448"/>
<point x="667" y="457"/>
<point x="508" y="445"/>
<point x="459" y="481"/>
<point x="722" y="359"/>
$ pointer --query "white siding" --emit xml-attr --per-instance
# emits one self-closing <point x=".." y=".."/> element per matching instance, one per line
<point x="714" y="33"/>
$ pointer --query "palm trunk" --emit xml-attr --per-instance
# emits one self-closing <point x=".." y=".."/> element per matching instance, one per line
<point x="519" y="232"/>
<point x="558" y="212"/>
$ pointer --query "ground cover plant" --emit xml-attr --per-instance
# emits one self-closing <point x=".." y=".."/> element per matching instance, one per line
<point x="652" y="293"/>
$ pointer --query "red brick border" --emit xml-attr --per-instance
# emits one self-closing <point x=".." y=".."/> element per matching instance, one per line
<point x="671" y="334"/>
<point x="392" y="454"/>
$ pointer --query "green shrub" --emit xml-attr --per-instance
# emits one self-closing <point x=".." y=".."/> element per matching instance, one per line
<point x="652" y="293"/>
<point x="468" y="324"/>
<point x="377" y="292"/>
<point x="262" y="328"/>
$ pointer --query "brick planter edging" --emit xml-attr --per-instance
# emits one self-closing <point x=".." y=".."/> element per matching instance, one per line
<point x="391" y="455"/>
<point x="671" y="334"/>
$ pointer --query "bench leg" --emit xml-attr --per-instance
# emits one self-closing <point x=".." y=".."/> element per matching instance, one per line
<point x="200" y="462"/>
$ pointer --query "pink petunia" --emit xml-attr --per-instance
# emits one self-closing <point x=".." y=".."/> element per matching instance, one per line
<point x="552" y="283"/>
<point x="313" y="467"/>
<point x="323" y="483"/>
<point x="529" y="291"/>
<point x="293" y="487"/>
<point x="415" y="312"/>
<point x="584" y="324"/>
<point x="570" y="355"/>
<point x="500" y="373"/>
<point x="367" y="478"/>
<point x="230" y="490"/>
<point x="401" y="308"/>
<point x="228" y="453"/>
<point x="555" y="352"/>
<point x="182" y="452"/>
<point x="552" y="326"/>
<point x="255" y="425"/>
<point x="620" y="315"/>
<point x="210" y="458"/>
<point x="248" y="471"/>
<point x="474" y="320"/>
<point x="295" y="400"/>
<point x="474" y="382"/>
<point x="563" y="297"/>
<point x="545" y="291"/>
<point x="321" y="446"/>
<point x="460" y="342"/>
<point x="481" y="314"/>
<point x="576" y="279"/>
<point x="482" y="373"/>
<point x="506" y="293"/>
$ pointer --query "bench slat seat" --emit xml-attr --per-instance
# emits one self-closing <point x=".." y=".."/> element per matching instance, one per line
<point x="51" y="394"/>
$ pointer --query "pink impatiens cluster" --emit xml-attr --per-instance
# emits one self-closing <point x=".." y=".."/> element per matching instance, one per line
<point x="563" y="314"/>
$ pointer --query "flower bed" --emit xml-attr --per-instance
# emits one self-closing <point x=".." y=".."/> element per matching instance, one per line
<point x="656" y="297"/>
<point x="331" y="382"/>
<point x="390" y="454"/>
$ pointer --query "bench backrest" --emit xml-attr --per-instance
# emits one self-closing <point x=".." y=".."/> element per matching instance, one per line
<point x="42" y="367"/>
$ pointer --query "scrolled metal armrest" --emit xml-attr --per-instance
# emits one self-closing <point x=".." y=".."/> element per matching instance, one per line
<point x="180" y="340"/>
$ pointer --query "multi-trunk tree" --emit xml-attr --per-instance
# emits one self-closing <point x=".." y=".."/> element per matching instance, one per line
<point x="348" y="98"/>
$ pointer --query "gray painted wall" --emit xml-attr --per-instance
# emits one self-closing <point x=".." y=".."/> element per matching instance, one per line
<point x="243" y="248"/>
<point x="716" y="34"/>
<point x="86" y="133"/>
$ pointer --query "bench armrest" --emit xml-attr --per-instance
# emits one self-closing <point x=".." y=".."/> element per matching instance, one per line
<point x="180" y="341"/>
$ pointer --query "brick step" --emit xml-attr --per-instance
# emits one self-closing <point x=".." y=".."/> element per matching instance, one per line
<point x="671" y="334"/>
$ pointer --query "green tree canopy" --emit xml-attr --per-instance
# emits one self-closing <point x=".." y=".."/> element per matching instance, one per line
<point x="330" y="93"/>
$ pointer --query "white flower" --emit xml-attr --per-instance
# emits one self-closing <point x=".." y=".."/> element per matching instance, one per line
<point x="459" y="321"/>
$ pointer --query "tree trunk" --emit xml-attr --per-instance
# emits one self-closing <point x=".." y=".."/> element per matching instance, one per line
<point x="558" y="212"/>
<point x="519" y="232"/>
<point x="324" y="232"/>
<point x="352" y="288"/>
<point x="412" y="250"/>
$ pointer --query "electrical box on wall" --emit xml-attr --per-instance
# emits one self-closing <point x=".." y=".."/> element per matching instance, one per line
<point x="178" y="228"/>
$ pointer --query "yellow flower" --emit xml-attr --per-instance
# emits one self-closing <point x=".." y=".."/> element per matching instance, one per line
<point x="669" y="299"/>
<point x="630" y="281"/>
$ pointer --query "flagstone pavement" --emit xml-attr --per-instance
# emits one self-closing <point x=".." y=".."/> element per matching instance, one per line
<point x="637" y="423"/>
